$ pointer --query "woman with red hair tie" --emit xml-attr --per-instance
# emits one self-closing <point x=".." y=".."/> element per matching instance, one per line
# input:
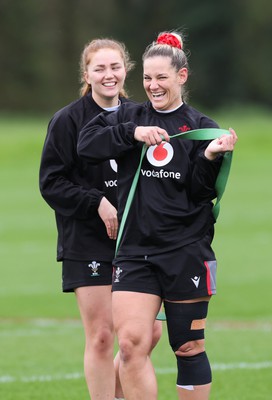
<point x="165" y="252"/>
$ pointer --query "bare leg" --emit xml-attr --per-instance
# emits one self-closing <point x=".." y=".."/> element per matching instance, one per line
<point x="157" y="332"/>
<point x="95" y="305"/>
<point x="135" y="313"/>
<point x="118" y="387"/>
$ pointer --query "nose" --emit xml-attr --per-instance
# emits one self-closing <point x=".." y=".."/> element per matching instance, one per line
<point x="153" y="84"/>
<point x="109" y="73"/>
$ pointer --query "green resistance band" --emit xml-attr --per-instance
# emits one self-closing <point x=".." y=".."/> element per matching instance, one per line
<point x="220" y="184"/>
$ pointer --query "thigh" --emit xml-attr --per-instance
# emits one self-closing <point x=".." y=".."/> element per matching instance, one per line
<point x="134" y="314"/>
<point x="95" y="306"/>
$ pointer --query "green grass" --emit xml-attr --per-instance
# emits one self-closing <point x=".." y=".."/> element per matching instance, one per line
<point x="41" y="335"/>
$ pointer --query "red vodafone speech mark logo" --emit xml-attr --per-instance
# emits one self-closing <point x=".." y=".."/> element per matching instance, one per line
<point x="160" y="155"/>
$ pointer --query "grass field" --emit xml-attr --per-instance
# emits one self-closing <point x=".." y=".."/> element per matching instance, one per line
<point x="41" y="337"/>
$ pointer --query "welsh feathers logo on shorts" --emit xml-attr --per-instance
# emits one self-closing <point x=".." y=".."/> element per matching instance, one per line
<point x="160" y="155"/>
<point x="94" y="266"/>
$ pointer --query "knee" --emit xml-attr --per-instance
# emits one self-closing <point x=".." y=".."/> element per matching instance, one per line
<point x="127" y="347"/>
<point x="133" y="345"/>
<point x="191" y="348"/>
<point x="186" y="324"/>
<point x="101" y="341"/>
<point x="194" y="370"/>
<point x="157" y="332"/>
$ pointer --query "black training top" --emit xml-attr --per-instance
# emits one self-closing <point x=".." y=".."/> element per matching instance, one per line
<point x="74" y="188"/>
<point x="172" y="204"/>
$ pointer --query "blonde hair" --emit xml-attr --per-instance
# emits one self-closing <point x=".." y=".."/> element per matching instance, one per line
<point x="91" y="48"/>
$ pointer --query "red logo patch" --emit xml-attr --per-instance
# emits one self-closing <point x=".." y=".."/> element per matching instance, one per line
<point x="184" y="128"/>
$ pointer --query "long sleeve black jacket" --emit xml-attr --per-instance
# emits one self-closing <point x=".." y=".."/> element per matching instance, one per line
<point x="173" y="201"/>
<point x="73" y="188"/>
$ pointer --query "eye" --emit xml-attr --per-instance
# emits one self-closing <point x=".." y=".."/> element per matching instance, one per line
<point x="146" y="78"/>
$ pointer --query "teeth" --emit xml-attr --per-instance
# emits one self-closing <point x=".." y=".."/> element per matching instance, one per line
<point x="157" y="94"/>
<point x="109" y="84"/>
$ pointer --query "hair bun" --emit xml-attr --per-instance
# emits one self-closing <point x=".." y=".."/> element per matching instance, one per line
<point x="170" y="39"/>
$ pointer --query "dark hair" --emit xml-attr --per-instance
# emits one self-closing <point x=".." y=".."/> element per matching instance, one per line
<point x="91" y="48"/>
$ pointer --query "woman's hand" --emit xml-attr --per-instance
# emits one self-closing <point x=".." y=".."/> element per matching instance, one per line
<point x="108" y="214"/>
<point x="221" y="145"/>
<point x="151" y="135"/>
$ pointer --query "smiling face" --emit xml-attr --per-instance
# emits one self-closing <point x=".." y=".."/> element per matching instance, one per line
<point x="106" y="74"/>
<point x="163" y="83"/>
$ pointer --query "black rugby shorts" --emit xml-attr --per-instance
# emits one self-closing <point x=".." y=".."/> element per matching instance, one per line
<point x="185" y="273"/>
<point x="76" y="274"/>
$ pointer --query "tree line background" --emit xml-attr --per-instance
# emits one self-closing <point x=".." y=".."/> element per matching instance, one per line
<point x="41" y="42"/>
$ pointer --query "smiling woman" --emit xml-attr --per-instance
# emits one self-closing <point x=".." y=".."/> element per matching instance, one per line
<point x="84" y="202"/>
<point x="105" y="74"/>
<point x="164" y="86"/>
<point x="97" y="63"/>
<point x="165" y="251"/>
<point x="83" y="197"/>
<point x="85" y="206"/>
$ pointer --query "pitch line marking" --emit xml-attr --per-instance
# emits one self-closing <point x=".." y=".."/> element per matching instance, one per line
<point x="40" y="326"/>
<point x="159" y="371"/>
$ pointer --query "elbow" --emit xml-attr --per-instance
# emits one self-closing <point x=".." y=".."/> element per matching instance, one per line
<point x="83" y="152"/>
<point x="42" y="187"/>
<point x="46" y="186"/>
<point x="89" y="156"/>
<point x="44" y="190"/>
<point x="203" y="195"/>
<point x="80" y="151"/>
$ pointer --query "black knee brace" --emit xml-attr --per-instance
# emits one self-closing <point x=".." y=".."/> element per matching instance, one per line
<point x="194" y="370"/>
<point x="185" y="322"/>
<point x="182" y="322"/>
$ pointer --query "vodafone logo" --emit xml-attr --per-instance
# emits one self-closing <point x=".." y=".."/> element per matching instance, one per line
<point x="113" y="182"/>
<point x="160" y="155"/>
<point x="113" y="165"/>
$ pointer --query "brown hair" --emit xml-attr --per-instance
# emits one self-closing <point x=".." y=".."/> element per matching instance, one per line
<point x="93" y="47"/>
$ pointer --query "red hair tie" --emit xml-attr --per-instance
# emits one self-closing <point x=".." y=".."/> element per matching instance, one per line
<point x="170" y="39"/>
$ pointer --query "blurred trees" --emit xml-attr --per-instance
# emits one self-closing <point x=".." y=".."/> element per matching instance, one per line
<point x="41" y="42"/>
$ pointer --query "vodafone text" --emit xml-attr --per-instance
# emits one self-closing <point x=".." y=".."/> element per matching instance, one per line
<point x="111" y="183"/>
<point x="161" y="174"/>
